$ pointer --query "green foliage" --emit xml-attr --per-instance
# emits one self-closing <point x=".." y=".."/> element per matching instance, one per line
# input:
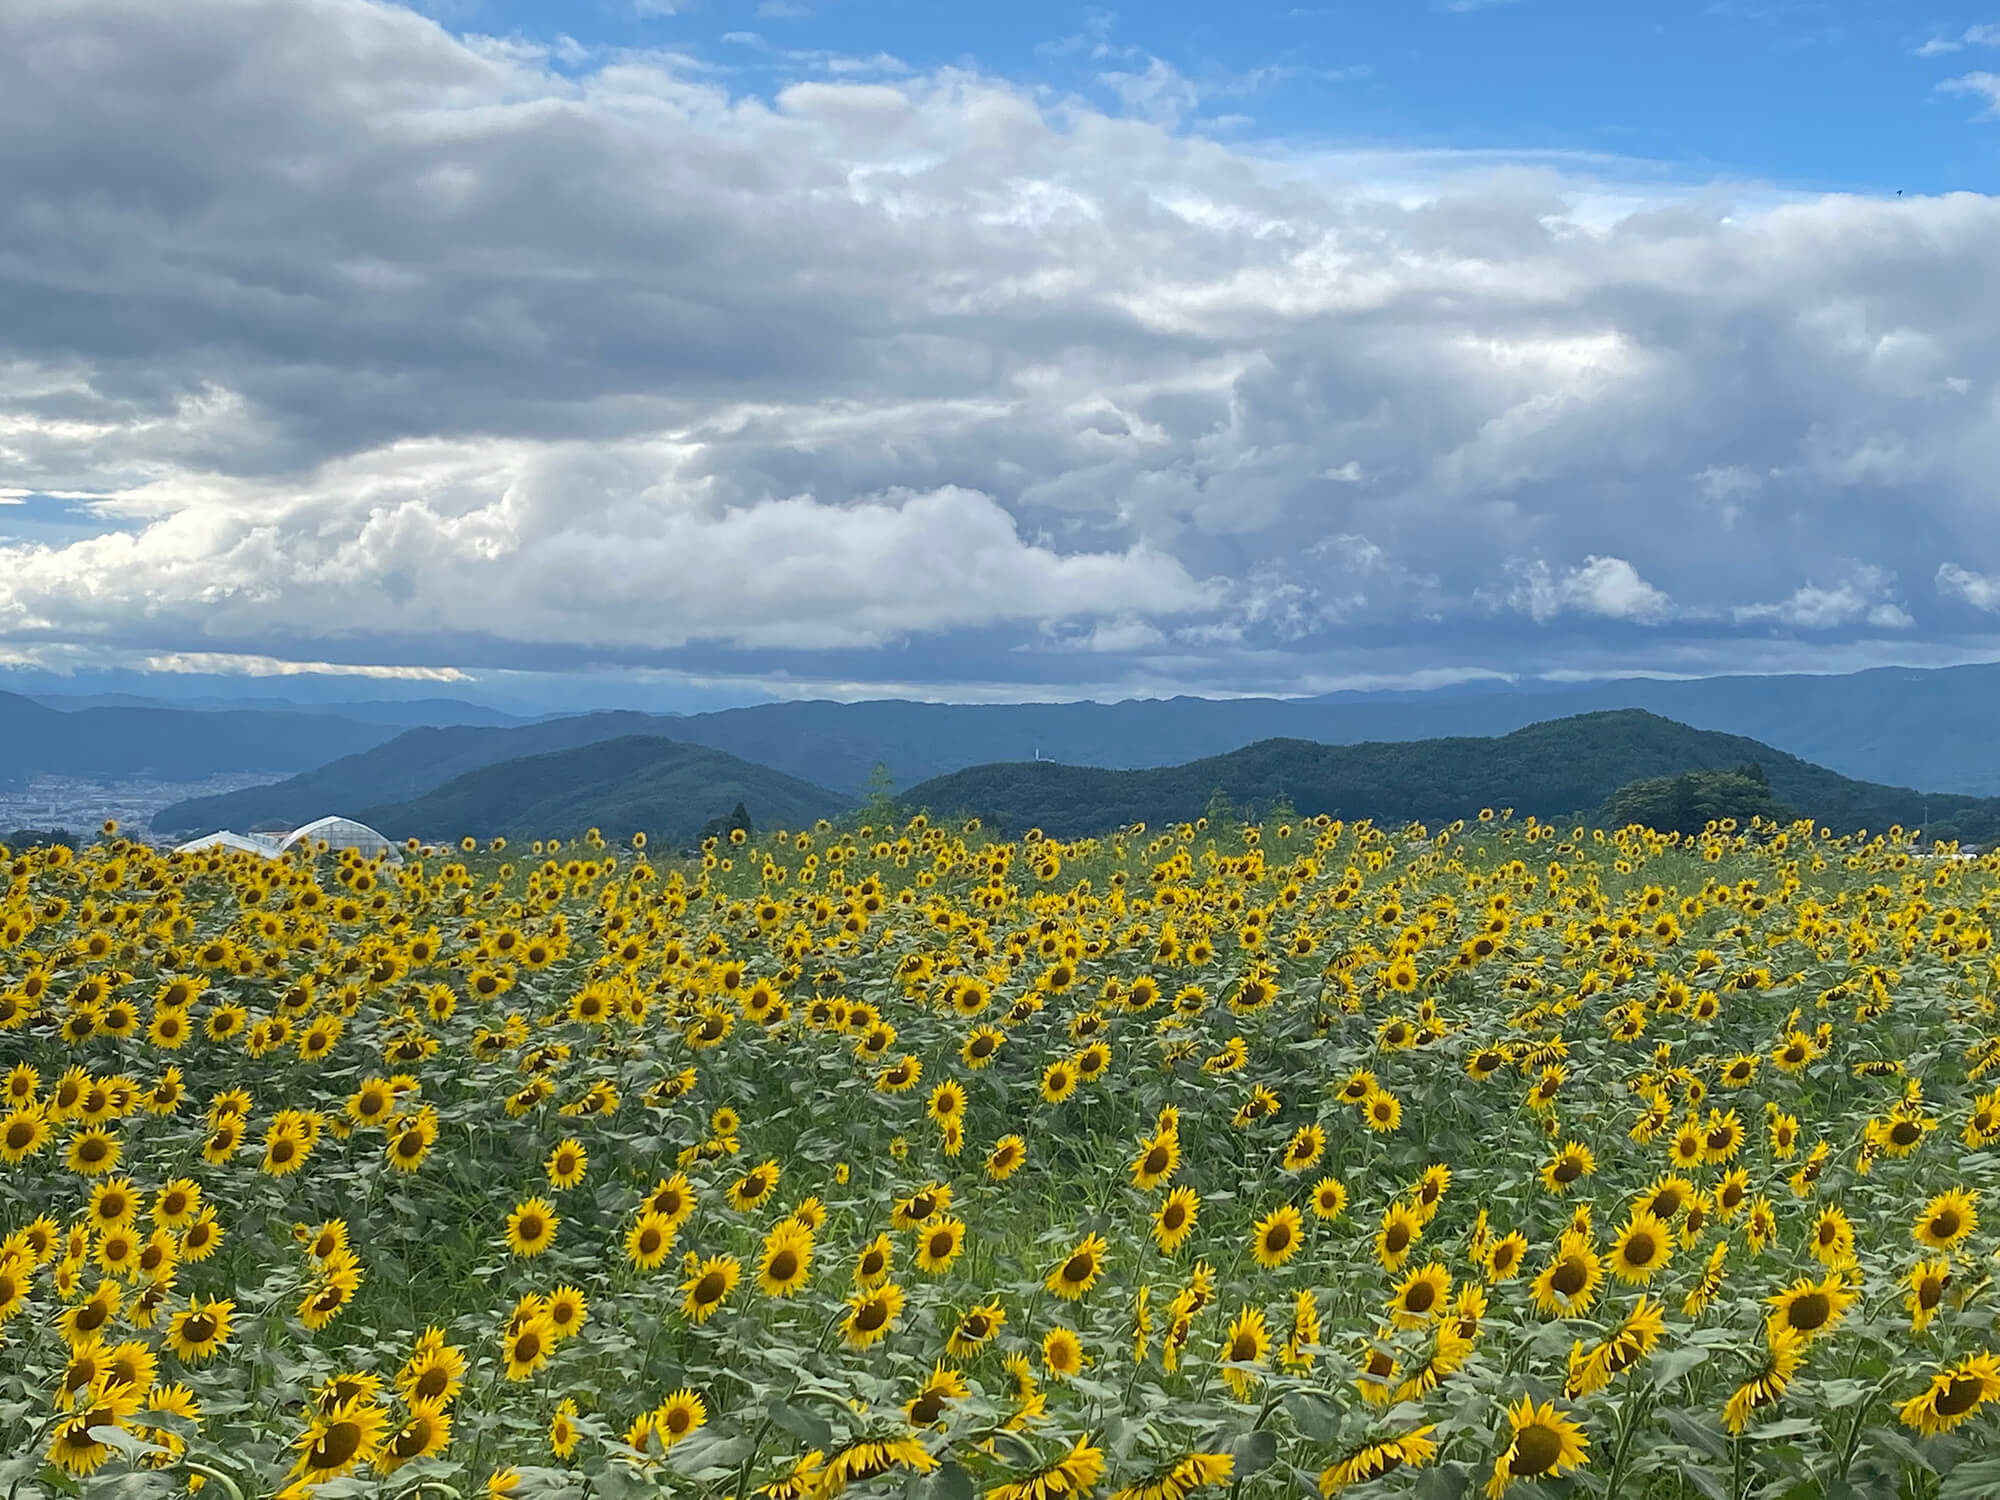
<point x="33" y="838"/>
<point x="1689" y="802"/>
<point x="721" y="828"/>
<point x="880" y="803"/>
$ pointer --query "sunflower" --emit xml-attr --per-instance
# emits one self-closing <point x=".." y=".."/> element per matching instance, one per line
<point x="1400" y="1231"/>
<point x="1946" y="1220"/>
<point x="425" y="1433"/>
<point x="672" y="1198"/>
<point x="1544" y="1442"/>
<point x="1157" y="1160"/>
<point x="981" y="1046"/>
<point x="678" y="1416"/>
<point x="926" y="1203"/>
<point x="709" y="1284"/>
<point x="1569" y="1165"/>
<point x="750" y="1190"/>
<point x="941" y="1387"/>
<point x="1631" y="1341"/>
<point x="1181" y="1478"/>
<point x="567" y="1311"/>
<point x="872" y="1314"/>
<point x="1062" y="1352"/>
<point x="1247" y="1343"/>
<point x="1503" y="1258"/>
<point x="564" y="1434"/>
<point x="786" y="1261"/>
<point x="938" y="1244"/>
<point x="1059" y="1081"/>
<point x="75" y="1449"/>
<point x="567" y="1163"/>
<point x="1709" y="1285"/>
<point x="92" y="1151"/>
<point x="975" y="1326"/>
<point x="1642" y="1247"/>
<point x="1832" y="1242"/>
<point x="1078" y="1271"/>
<point x="527" y="1347"/>
<point x="200" y="1329"/>
<point x="1568" y="1284"/>
<point x="1449" y="1352"/>
<point x="1810" y="1308"/>
<point x="1665" y="1198"/>
<point x="531" y="1227"/>
<point x="1328" y="1199"/>
<point x="869" y="1459"/>
<point x="118" y="1251"/>
<point x="1277" y="1236"/>
<point x="23" y="1133"/>
<point x="434" y="1372"/>
<point x="1783" y="1349"/>
<point x="1928" y="1281"/>
<point x="1175" y="1218"/>
<point x="1006" y="1157"/>
<point x="649" y="1240"/>
<point x="1377" y="1458"/>
<point x="338" y="1441"/>
<point x="1307" y="1145"/>
<point x="1420" y="1296"/>
<point x="1955" y="1394"/>
<point x="1383" y="1111"/>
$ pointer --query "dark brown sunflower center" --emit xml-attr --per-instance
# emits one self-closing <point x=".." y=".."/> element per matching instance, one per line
<point x="336" y="1447"/>
<point x="1536" y="1448"/>
<point x="1569" y="1277"/>
<point x="1964" y="1393"/>
<point x="1810" y="1311"/>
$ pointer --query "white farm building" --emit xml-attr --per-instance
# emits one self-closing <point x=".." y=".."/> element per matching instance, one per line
<point x="330" y="832"/>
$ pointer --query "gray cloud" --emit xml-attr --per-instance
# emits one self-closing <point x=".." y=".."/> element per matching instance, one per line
<point x="405" y="345"/>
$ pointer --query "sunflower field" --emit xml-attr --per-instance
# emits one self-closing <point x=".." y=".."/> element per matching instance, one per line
<point x="1311" y="1158"/>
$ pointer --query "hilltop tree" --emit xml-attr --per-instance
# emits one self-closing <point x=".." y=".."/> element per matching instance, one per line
<point x="1689" y="802"/>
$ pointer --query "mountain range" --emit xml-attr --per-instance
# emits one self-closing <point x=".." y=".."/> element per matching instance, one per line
<point x="1901" y="727"/>
<point x="623" y="785"/>
<point x="170" y="744"/>
<point x="1558" y="769"/>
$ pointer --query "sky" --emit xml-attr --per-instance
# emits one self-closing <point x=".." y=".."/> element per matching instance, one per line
<point x="676" y="354"/>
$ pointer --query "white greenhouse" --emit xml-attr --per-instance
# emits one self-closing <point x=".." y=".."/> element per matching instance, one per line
<point x="343" y="833"/>
<point x="236" y="843"/>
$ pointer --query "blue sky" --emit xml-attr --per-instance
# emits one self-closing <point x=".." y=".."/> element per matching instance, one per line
<point x="668" y="356"/>
<point x="1838" y="94"/>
